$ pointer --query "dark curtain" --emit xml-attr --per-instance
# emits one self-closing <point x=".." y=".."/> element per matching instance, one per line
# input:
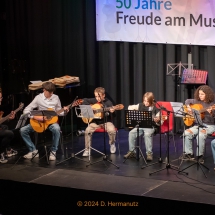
<point x="44" y="39"/>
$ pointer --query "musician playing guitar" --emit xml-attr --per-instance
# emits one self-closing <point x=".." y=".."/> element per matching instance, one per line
<point x="43" y="101"/>
<point x="6" y="136"/>
<point x="203" y="102"/>
<point x="99" y="101"/>
<point x="147" y="105"/>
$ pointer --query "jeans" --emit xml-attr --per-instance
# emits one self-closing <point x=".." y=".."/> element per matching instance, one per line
<point x="54" y="128"/>
<point x="148" y="135"/>
<point x="213" y="148"/>
<point x="200" y="138"/>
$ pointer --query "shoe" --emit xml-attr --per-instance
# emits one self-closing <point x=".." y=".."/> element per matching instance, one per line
<point x="200" y="159"/>
<point x="149" y="157"/>
<point x="112" y="148"/>
<point x="11" y="153"/>
<point x="130" y="155"/>
<point x="30" y="155"/>
<point x="188" y="157"/>
<point x="86" y="153"/>
<point x="52" y="156"/>
<point x="2" y="158"/>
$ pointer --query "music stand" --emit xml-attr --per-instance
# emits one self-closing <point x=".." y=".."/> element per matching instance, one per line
<point x="48" y="114"/>
<point x="199" y="123"/>
<point x="135" y="118"/>
<point x="21" y="122"/>
<point x="179" y="113"/>
<point x="73" y="155"/>
<point x="87" y="112"/>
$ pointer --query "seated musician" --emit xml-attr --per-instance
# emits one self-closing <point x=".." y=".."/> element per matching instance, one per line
<point x="6" y="136"/>
<point x="43" y="101"/>
<point x="100" y="99"/>
<point x="203" y="99"/>
<point x="146" y="105"/>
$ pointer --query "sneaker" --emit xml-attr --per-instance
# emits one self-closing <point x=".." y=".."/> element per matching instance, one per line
<point x="52" y="156"/>
<point x="130" y="155"/>
<point x="112" y="148"/>
<point x="30" y="155"/>
<point x="200" y="159"/>
<point x="86" y="153"/>
<point x="11" y="153"/>
<point x="188" y="157"/>
<point x="2" y="158"/>
<point x="149" y="157"/>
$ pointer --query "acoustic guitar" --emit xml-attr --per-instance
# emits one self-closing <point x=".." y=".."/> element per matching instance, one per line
<point x="3" y="119"/>
<point x="189" y="119"/>
<point x="42" y="126"/>
<point x="99" y="111"/>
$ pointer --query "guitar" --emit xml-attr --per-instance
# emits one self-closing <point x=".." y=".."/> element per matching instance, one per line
<point x="98" y="111"/>
<point x="189" y="119"/>
<point x="3" y="119"/>
<point x="39" y="127"/>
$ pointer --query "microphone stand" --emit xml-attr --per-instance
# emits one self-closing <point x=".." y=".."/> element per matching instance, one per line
<point x="160" y="158"/>
<point x="105" y="157"/>
<point x="168" y="165"/>
<point x="72" y="154"/>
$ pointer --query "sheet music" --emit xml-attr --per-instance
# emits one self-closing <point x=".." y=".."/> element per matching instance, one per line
<point x="177" y="108"/>
<point x="22" y="120"/>
<point x="86" y="111"/>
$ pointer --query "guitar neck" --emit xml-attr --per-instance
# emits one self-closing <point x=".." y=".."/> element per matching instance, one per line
<point x="7" y="117"/>
<point x="102" y="109"/>
<point x="62" y="109"/>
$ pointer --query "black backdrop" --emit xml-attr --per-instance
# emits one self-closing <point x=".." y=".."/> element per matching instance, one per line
<point x="43" y="39"/>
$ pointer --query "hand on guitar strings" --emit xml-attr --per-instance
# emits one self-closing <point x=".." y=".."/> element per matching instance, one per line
<point x="66" y="110"/>
<point x="12" y="115"/>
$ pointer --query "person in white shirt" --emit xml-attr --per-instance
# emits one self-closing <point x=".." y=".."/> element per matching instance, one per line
<point x="43" y="101"/>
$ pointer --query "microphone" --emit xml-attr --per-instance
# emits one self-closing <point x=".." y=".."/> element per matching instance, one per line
<point x="154" y="101"/>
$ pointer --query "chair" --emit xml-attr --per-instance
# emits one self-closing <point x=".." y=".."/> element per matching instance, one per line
<point x="165" y="128"/>
<point x="45" y="145"/>
<point x="44" y="141"/>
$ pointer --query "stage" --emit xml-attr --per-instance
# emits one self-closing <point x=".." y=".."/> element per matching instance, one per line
<point x="36" y="187"/>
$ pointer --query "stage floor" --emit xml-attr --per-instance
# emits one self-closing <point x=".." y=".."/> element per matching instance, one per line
<point x="107" y="184"/>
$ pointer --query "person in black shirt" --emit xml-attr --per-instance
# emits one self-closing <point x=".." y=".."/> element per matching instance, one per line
<point x="100" y="102"/>
<point x="6" y="136"/>
<point x="146" y="105"/>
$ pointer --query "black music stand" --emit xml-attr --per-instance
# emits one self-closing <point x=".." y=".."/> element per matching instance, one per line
<point x="199" y="123"/>
<point x="160" y="160"/>
<point x="48" y="114"/>
<point x="135" y="118"/>
<point x="21" y="122"/>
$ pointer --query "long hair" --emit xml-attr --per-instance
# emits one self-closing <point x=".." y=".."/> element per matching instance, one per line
<point x="209" y="93"/>
<point x="150" y="97"/>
